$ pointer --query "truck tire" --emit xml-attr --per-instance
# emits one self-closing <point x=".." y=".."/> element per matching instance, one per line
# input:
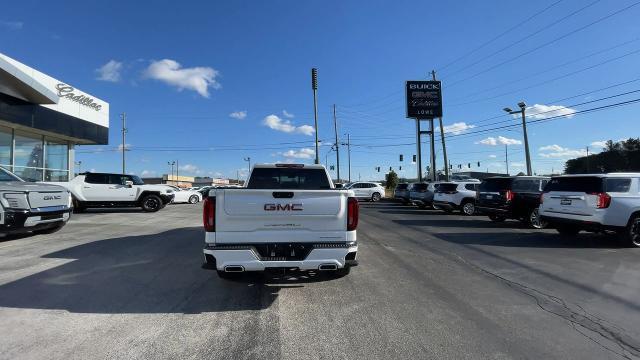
<point x="567" y="230"/>
<point x="376" y="197"/>
<point x="77" y="207"/>
<point x="533" y="220"/>
<point x="228" y="275"/>
<point x="468" y="208"/>
<point x="193" y="199"/>
<point x="50" y="230"/>
<point x="631" y="234"/>
<point x="151" y="203"/>
<point x="340" y="272"/>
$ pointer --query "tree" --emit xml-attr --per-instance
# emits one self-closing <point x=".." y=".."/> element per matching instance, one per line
<point x="391" y="179"/>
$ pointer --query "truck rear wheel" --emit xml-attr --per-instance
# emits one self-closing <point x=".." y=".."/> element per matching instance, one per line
<point x="151" y="203"/>
<point x="631" y="235"/>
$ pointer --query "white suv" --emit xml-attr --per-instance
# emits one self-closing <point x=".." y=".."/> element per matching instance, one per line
<point x="461" y="196"/>
<point x="367" y="190"/>
<point x="599" y="202"/>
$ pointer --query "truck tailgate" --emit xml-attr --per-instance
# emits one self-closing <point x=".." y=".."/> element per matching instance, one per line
<point x="248" y="215"/>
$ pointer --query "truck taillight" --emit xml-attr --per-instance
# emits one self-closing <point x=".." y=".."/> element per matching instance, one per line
<point x="209" y="214"/>
<point x="604" y="200"/>
<point x="353" y="210"/>
<point x="508" y="195"/>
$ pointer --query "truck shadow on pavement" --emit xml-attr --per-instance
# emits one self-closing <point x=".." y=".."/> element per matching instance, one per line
<point x="155" y="273"/>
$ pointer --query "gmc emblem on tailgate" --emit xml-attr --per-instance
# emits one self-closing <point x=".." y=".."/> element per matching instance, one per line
<point x="281" y="207"/>
<point x="51" y="197"/>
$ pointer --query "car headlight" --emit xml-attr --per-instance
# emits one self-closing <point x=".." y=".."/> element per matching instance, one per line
<point x="15" y="201"/>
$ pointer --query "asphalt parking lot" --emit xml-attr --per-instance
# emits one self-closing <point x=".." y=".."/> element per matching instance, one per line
<point x="128" y="284"/>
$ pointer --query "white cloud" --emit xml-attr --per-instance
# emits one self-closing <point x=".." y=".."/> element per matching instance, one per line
<point x="500" y="140"/>
<point x="190" y="169"/>
<point x="110" y="71"/>
<point x="238" y="115"/>
<point x="276" y="123"/>
<point x="492" y="156"/>
<point x="198" y="79"/>
<point x="539" y="111"/>
<point x="305" y="153"/>
<point x="601" y="144"/>
<point x="148" y="173"/>
<point x="456" y="128"/>
<point x="552" y="148"/>
<point x="557" y="151"/>
<point x="126" y="146"/>
<point x="12" y="25"/>
<point x="287" y="114"/>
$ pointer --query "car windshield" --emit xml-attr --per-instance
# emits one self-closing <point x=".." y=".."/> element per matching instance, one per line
<point x="5" y="175"/>
<point x="136" y="180"/>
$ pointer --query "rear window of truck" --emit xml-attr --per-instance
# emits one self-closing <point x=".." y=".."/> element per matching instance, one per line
<point x="584" y="184"/>
<point x="288" y="178"/>
<point x="496" y="184"/>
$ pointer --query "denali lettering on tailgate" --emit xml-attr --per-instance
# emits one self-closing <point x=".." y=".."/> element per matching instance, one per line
<point x="281" y="207"/>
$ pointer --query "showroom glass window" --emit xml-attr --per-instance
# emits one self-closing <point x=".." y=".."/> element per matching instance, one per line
<point x="6" y="138"/>
<point x="28" y="155"/>
<point x="56" y="160"/>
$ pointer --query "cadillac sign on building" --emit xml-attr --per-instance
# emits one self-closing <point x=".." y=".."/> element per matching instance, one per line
<point x="424" y="99"/>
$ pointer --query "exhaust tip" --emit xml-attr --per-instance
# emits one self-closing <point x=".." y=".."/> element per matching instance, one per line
<point x="328" y="267"/>
<point x="233" y="268"/>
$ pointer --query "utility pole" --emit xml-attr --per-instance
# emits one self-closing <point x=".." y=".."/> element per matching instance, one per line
<point x="523" y="108"/>
<point x="349" y="154"/>
<point x="419" y="149"/>
<point x="248" y="159"/>
<point x="171" y="163"/>
<point x="444" y="146"/>
<point x="314" y="86"/>
<point x="587" y="158"/>
<point x="177" y="173"/>
<point x="124" y="143"/>
<point x="432" y="138"/>
<point x="335" y="130"/>
<point x="506" y="157"/>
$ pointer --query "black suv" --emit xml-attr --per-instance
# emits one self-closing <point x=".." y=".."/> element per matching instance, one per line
<point x="512" y="197"/>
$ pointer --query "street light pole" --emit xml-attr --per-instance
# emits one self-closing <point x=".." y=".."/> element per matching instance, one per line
<point x="314" y="86"/>
<point x="124" y="143"/>
<point x="249" y="160"/>
<point x="335" y="130"/>
<point x="522" y="112"/>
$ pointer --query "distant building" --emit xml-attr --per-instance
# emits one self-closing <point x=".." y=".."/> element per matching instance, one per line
<point x="188" y="181"/>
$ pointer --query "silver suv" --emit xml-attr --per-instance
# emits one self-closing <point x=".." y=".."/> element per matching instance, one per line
<point x="421" y="194"/>
<point x="600" y="202"/>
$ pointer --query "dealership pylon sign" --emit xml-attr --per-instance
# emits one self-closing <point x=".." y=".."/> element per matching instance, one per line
<point x="424" y="99"/>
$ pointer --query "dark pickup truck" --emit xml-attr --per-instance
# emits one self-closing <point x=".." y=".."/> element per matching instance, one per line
<point x="512" y="197"/>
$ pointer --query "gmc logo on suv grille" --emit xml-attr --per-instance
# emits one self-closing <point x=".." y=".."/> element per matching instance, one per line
<point x="281" y="207"/>
<point x="51" y="197"/>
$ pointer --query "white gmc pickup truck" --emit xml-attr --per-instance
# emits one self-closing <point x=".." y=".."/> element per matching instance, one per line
<point x="288" y="217"/>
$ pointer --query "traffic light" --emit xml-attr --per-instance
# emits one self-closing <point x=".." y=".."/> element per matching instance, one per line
<point x="401" y="157"/>
<point x="450" y="166"/>
<point x="478" y="163"/>
<point x="331" y="167"/>
<point x="390" y="168"/>
<point x="469" y="165"/>
<point x="378" y="168"/>
<point x="400" y="168"/>
<point x="414" y="158"/>
<point x="459" y="166"/>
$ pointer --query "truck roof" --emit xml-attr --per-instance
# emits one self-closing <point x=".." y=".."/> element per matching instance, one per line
<point x="282" y="165"/>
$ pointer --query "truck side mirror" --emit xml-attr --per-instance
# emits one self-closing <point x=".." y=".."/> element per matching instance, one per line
<point x="128" y="183"/>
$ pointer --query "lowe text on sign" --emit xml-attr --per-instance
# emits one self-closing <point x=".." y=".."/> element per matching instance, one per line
<point x="424" y="99"/>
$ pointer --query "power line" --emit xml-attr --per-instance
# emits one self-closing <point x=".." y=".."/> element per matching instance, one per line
<point x="517" y="25"/>
<point x="546" y="43"/>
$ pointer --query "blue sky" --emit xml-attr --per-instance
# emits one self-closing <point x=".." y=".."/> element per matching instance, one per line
<point x="181" y="71"/>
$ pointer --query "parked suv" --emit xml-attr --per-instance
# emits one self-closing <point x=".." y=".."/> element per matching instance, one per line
<point x="600" y="202"/>
<point x="36" y="207"/>
<point x="512" y="197"/>
<point x="116" y="190"/>
<point x="401" y="193"/>
<point x="366" y="190"/>
<point x="451" y="196"/>
<point x="421" y="194"/>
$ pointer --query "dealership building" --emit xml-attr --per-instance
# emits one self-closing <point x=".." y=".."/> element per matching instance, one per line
<point x="41" y="121"/>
